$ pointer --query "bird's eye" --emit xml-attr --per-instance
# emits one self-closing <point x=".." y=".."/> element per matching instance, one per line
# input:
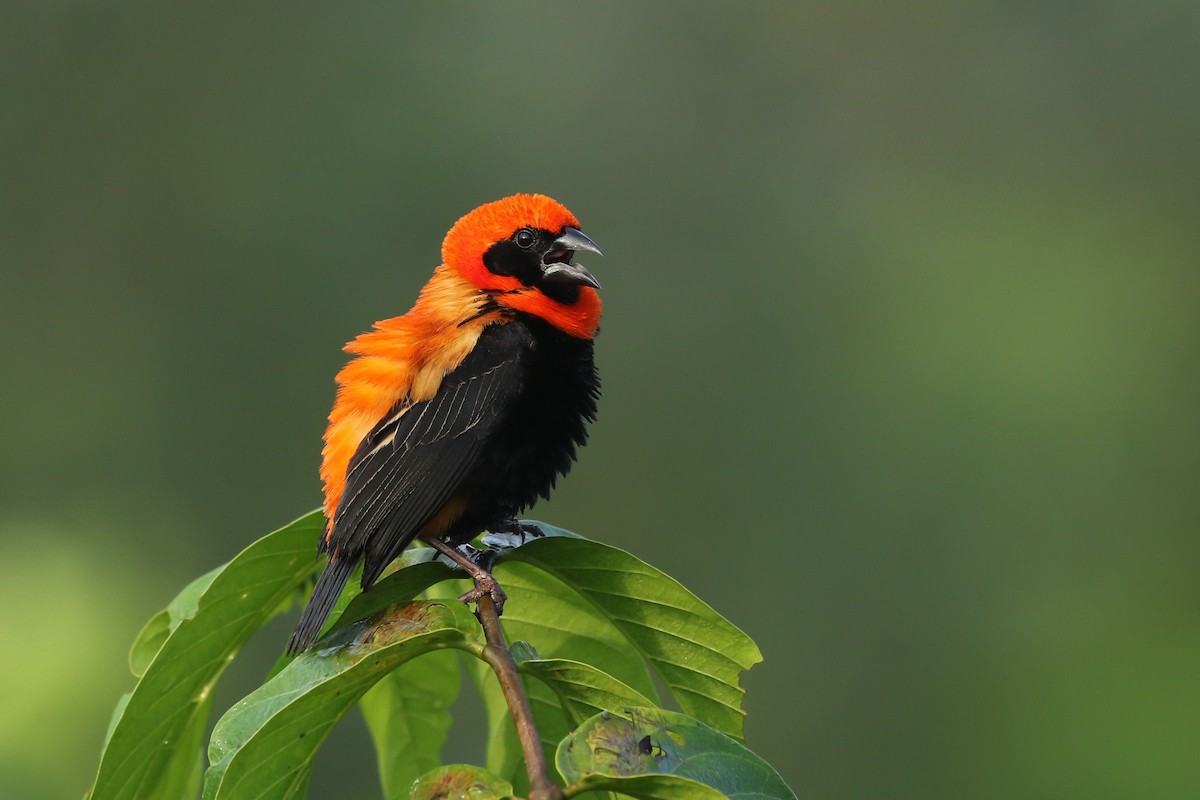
<point x="525" y="238"/>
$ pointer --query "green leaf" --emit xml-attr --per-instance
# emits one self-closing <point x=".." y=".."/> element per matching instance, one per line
<point x="263" y="747"/>
<point x="561" y="623"/>
<point x="652" y="753"/>
<point x="698" y="653"/>
<point x="155" y="632"/>
<point x="118" y="712"/>
<point x="647" y="787"/>
<point x="406" y="712"/>
<point x="413" y="576"/>
<point x="460" y="782"/>
<point x="149" y="641"/>
<point x="408" y="715"/>
<point x="155" y="744"/>
<point x="581" y="689"/>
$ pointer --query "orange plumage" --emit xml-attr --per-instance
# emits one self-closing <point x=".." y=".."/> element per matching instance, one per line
<point x="441" y="407"/>
<point x="402" y="359"/>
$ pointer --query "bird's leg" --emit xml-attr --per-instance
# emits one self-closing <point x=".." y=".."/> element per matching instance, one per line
<point x="485" y="584"/>
<point x="515" y="527"/>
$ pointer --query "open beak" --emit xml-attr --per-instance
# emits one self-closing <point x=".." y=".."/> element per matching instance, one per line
<point x="573" y="239"/>
<point x="558" y="267"/>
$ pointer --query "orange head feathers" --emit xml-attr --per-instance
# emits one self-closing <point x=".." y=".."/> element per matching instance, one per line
<point x="519" y="250"/>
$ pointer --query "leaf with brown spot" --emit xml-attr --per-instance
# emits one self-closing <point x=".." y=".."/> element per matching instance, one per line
<point x="460" y="782"/>
<point x="662" y="755"/>
<point x="263" y="747"/>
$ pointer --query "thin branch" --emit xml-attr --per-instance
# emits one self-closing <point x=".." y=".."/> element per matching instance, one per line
<point x="499" y="658"/>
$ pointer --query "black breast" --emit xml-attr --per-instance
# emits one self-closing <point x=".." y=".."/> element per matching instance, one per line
<point x="542" y="429"/>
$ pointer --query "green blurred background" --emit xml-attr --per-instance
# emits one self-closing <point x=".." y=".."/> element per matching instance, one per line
<point x="900" y="345"/>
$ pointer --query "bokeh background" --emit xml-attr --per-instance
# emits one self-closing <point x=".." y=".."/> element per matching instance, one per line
<point x="900" y="345"/>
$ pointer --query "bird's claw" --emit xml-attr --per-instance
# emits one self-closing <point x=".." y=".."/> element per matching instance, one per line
<point x="486" y="587"/>
<point x="529" y="529"/>
<point x="482" y="557"/>
<point x="515" y="527"/>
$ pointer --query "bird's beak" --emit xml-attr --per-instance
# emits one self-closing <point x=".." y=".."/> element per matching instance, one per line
<point x="572" y="239"/>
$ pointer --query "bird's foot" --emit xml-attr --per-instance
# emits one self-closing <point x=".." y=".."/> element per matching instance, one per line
<point x="482" y="557"/>
<point x="477" y="564"/>
<point x="515" y="527"/>
<point x="486" y="586"/>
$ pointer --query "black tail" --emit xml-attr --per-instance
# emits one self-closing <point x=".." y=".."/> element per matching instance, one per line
<point x="325" y="594"/>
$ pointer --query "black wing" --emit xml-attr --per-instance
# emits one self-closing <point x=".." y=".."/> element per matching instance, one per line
<point x="412" y="463"/>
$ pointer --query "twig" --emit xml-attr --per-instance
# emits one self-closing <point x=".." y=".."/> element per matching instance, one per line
<point x="499" y="658"/>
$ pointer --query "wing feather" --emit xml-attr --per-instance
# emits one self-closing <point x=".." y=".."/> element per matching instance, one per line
<point x="410" y="465"/>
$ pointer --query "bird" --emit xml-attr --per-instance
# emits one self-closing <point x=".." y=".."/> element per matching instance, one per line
<point x="455" y="417"/>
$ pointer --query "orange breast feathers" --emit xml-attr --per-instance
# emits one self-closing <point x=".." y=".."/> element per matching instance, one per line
<point x="402" y="360"/>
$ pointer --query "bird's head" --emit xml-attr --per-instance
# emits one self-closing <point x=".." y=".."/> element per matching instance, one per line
<point x="520" y="251"/>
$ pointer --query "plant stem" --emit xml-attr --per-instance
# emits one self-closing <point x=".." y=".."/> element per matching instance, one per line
<point x="499" y="658"/>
